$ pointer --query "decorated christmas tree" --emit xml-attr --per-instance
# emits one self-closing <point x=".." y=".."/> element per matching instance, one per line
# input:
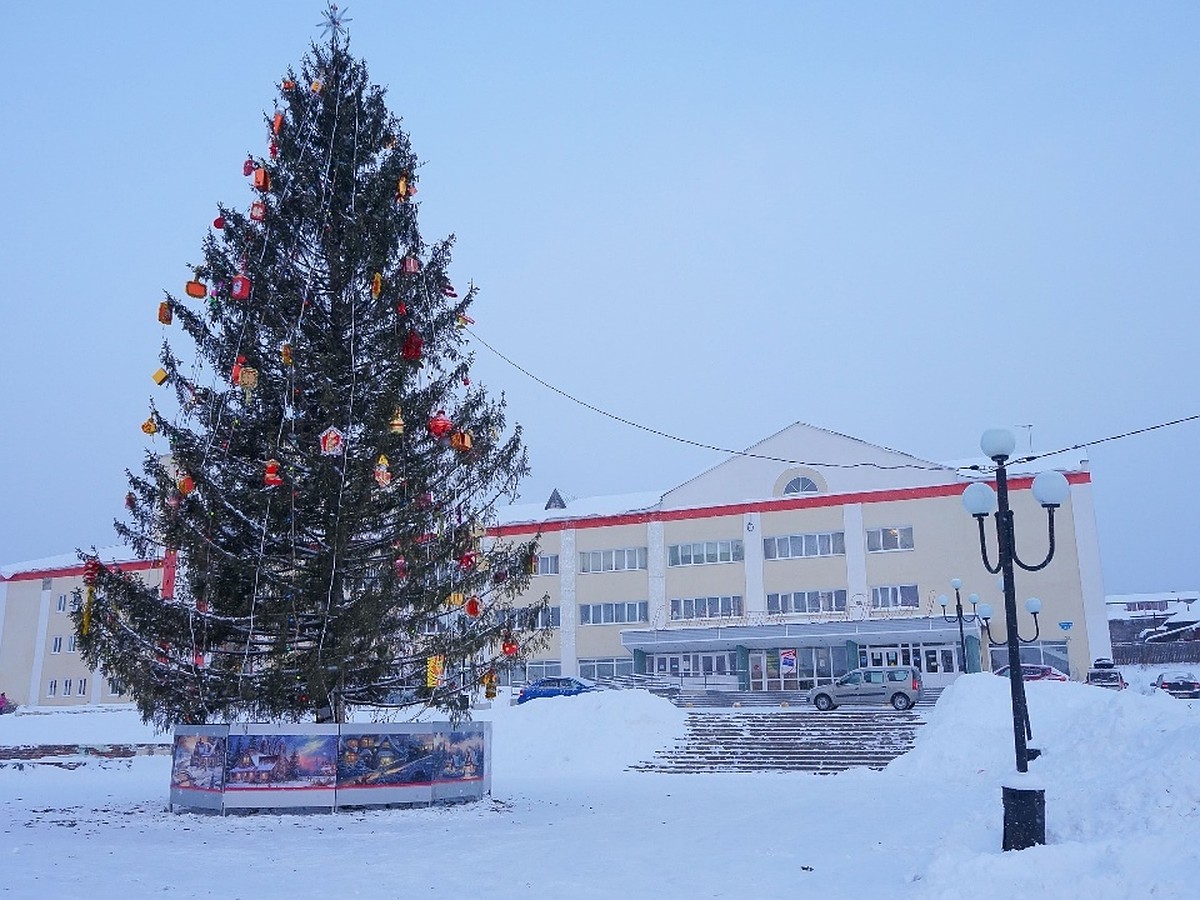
<point x="321" y="487"/>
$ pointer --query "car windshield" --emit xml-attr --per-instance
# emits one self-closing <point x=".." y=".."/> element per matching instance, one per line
<point x="1104" y="675"/>
<point x="1179" y="676"/>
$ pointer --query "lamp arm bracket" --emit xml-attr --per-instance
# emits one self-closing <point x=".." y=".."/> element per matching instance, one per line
<point x="1049" y="553"/>
<point x="983" y="550"/>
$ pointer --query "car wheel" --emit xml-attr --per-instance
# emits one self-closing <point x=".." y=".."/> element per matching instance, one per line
<point x="901" y="701"/>
<point x="823" y="702"/>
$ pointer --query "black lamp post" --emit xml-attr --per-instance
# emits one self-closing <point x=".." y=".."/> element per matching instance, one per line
<point x="962" y="618"/>
<point x="1024" y="807"/>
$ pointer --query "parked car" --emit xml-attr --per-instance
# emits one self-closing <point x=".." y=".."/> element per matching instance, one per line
<point x="898" y="685"/>
<point x="1034" y="672"/>
<point x="1106" y="678"/>
<point x="559" y="686"/>
<point x="1178" y="684"/>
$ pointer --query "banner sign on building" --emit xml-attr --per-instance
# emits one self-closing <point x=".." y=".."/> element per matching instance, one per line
<point x="787" y="662"/>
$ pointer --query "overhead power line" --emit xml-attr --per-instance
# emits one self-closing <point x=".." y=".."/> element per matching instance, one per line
<point x="794" y="462"/>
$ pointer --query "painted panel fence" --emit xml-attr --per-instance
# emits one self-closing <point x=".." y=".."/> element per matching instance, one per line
<point x="258" y="766"/>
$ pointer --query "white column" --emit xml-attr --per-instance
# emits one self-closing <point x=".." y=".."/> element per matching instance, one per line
<point x="568" y="563"/>
<point x="752" y="545"/>
<point x="856" y="554"/>
<point x="1091" y="579"/>
<point x="656" y="564"/>
<point x="39" y="648"/>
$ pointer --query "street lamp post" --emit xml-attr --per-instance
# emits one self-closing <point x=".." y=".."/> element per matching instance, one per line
<point x="1024" y="807"/>
<point x="973" y="599"/>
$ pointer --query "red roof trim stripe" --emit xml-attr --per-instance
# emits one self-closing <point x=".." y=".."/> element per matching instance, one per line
<point x="784" y="504"/>
<point x="136" y="565"/>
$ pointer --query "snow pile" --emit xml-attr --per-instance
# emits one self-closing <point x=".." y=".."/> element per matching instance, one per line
<point x="598" y="733"/>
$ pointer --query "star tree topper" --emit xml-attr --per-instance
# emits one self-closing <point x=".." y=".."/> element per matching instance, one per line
<point x="334" y="21"/>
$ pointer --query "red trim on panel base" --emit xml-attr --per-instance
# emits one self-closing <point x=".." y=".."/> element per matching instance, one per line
<point x="783" y="504"/>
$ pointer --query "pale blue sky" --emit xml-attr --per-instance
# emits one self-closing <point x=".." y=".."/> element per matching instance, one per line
<point x="903" y="222"/>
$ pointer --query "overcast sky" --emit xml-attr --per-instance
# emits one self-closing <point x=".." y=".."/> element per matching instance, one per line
<point x="903" y="222"/>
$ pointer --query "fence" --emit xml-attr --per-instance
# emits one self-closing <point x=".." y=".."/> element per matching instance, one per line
<point x="1141" y="654"/>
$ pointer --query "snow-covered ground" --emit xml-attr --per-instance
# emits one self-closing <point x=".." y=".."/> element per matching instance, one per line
<point x="565" y="820"/>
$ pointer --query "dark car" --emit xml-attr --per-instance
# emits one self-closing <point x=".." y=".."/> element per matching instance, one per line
<point x="1106" y="678"/>
<point x="558" y="686"/>
<point x="1035" y="672"/>
<point x="1178" y="684"/>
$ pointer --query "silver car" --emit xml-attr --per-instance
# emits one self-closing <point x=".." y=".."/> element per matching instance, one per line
<point x="898" y="685"/>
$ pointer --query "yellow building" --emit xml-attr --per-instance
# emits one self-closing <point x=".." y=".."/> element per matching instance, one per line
<point x="39" y="664"/>
<point x="809" y="555"/>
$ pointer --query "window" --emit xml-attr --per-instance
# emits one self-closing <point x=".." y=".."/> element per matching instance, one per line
<point x="66" y="687"/>
<point x="895" y="596"/>
<point x="880" y="540"/>
<point x="807" y="602"/>
<point x="547" y="564"/>
<point x="62" y="603"/>
<point x="825" y="543"/>
<point x="614" y="613"/>
<point x="115" y="687"/>
<point x="56" y="644"/>
<point x="706" y="608"/>
<point x="605" y="667"/>
<point x="71" y="648"/>
<point x="82" y="692"/>
<point x="801" y="485"/>
<point x="705" y="552"/>
<point x="549" y="617"/>
<point x="47" y="583"/>
<point x="612" y="560"/>
<point x="52" y="688"/>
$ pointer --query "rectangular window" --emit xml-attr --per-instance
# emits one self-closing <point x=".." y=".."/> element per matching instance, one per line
<point x="547" y="564"/>
<point x="620" y="560"/>
<point x="550" y="617"/>
<point x="52" y="688"/>
<point x="881" y="540"/>
<point x="706" y="608"/>
<point x="795" y="546"/>
<point x="62" y="603"/>
<point x="614" y="613"/>
<point x="827" y="601"/>
<point x="56" y="644"/>
<point x="705" y="553"/>
<point x="895" y="596"/>
<point x="82" y="687"/>
<point x="71" y="648"/>
<point x="115" y="687"/>
<point x="66" y="687"/>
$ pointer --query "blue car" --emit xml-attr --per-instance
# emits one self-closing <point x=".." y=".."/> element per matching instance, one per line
<point x="558" y="686"/>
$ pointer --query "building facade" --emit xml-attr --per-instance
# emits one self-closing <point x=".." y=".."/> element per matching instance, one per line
<point x="764" y="574"/>
<point x="39" y="662"/>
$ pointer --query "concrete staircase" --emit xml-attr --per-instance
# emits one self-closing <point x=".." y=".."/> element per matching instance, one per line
<point x="799" y="739"/>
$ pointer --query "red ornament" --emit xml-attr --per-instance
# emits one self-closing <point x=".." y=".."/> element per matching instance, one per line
<point x="509" y="646"/>
<point x="466" y="561"/>
<point x="273" y="149"/>
<point x="262" y="180"/>
<point x="412" y="346"/>
<point x="198" y="660"/>
<point x="219" y="222"/>
<point x="400" y="566"/>
<point x="186" y="485"/>
<point x="277" y="123"/>
<point x="411" y="265"/>
<point x="248" y="166"/>
<point x="271" y="476"/>
<point x="401" y="308"/>
<point x="239" y="289"/>
<point x="258" y="211"/>
<point x="439" y="425"/>
<point x="236" y="372"/>
<point x="448" y="290"/>
<point x="164" y="313"/>
<point x="91" y="568"/>
<point x="473" y="607"/>
<point x="197" y="289"/>
<point x="130" y="501"/>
